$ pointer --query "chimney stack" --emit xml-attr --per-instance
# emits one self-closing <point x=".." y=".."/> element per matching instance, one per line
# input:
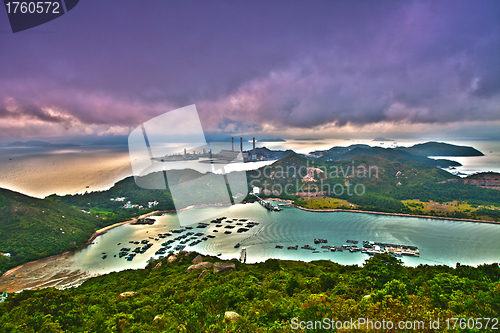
<point x="241" y="144"/>
<point x="232" y="143"/>
<point x="253" y="145"/>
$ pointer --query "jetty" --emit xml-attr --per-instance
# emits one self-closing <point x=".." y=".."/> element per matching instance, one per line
<point x="267" y="204"/>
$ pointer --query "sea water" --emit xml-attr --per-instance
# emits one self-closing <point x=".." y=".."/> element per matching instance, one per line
<point x="441" y="242"/>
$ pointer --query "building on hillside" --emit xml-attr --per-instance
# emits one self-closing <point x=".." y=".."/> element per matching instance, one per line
<point x="255" y="190"/>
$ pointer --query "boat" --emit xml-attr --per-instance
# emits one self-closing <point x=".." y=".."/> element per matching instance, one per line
<point x="219" y="254"/>
<point x="104" y="256"/>
<point x="227" y="232"/>
<point x="279" y="246"/>
<point x="237" y="246"/>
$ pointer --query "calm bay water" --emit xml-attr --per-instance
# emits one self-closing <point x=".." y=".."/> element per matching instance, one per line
<point x="439" y="241"/>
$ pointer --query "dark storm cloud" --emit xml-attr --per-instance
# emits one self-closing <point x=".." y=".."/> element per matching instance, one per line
<point x="245" y="64"/>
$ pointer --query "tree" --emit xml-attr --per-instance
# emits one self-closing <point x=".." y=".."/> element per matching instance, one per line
<point x="382" y="268"/>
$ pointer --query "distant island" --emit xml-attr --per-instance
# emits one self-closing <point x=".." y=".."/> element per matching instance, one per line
<point x="382" y="139"/>
<point x="271" y="140"/>
<point x="443" y="149"/>
<point x="33" y="143"/>
<point x="417" y="153"/>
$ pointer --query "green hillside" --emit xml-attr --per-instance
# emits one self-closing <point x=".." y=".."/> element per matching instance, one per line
<point x="384" y="182"/>
<point x="129" y="189"/>
<point x="262" y="297"/>
<point x="33" y="228"/>
<point x="382" y="172"/>
<point x="100" y="202"/>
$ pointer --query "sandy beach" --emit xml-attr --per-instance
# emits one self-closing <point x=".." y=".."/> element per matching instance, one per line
<point x="54" y="271"/>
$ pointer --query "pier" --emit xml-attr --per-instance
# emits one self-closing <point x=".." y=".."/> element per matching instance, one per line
<point x="269" y="206"/>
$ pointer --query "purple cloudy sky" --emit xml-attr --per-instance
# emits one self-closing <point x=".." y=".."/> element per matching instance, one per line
<point x="303" y="68"/>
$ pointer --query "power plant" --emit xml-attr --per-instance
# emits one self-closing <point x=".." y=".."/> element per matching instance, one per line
<point x="223" y="156"/>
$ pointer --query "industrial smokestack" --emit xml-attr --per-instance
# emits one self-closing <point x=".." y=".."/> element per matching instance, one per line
<point x="241" y="144"/>
<point x="254" y="144"/>
<point x="232" y="143"/>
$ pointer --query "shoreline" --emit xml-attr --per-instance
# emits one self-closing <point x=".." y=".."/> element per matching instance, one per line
<point x="96" y="234"/>
<point x="392" y="214"/>
<point x="104" y="230"/>
<point x="23" y="276"/>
